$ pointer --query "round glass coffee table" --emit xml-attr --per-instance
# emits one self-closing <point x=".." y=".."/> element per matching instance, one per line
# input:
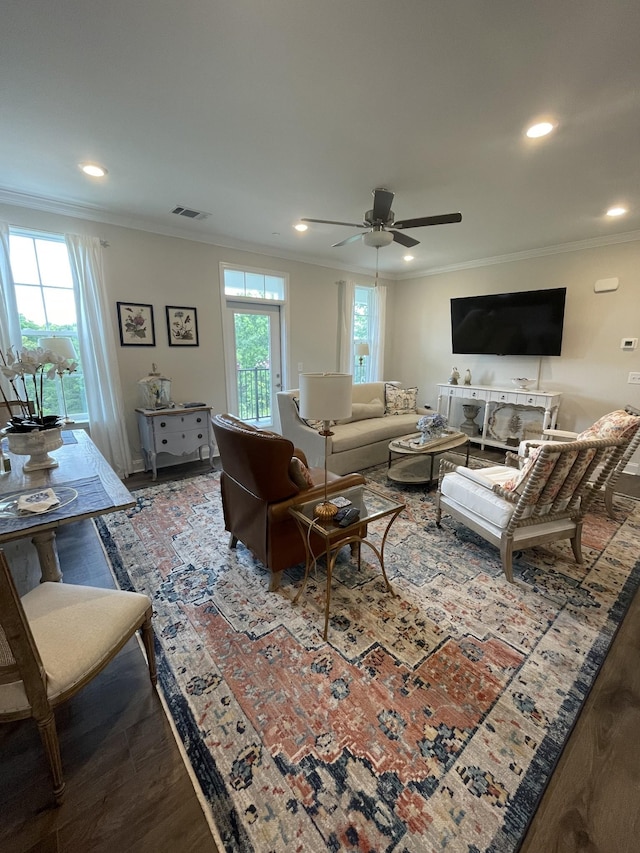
<point x="414" y="463"/>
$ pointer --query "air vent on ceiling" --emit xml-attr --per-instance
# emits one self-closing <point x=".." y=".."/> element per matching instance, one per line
<point x="190" y="214"/>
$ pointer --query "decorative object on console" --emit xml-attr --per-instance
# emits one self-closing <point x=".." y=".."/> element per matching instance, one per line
<point x="136" y="324"/>
<point x="68" y="362"/>
<point x="522" y="382"/>
<point x="432" y="426"/>
<point x="455" y="375"/>
<point x="469" y="425"/>
<point x="362" y="350"/>
<point x="182" y="326"/>
<point x="325" y="397"/>
<point x="467" y="377"/>
<point x="155" y="390"/>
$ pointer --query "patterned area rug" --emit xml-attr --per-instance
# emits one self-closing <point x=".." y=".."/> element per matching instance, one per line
<point x="430" y="721"/>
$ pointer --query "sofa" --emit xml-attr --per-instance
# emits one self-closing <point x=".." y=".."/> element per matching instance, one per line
<point x="381" y="411"/>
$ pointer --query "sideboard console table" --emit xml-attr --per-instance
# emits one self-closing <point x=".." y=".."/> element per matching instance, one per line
<point x="176" y="431"/>
<point x="505" y="411"/>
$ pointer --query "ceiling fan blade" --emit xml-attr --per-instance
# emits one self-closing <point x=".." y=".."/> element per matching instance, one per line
<point x="333" y="222"/>
<point x="382" y="201"/>
<point x="443" y="219"/>
<point x="404" y="239"/>
<point x="351" y="239"/>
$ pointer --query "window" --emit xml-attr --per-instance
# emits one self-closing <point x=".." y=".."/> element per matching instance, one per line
<point x="362" y="332"/>
<point x="253" y="284"/>
<point x="46" y="308"/>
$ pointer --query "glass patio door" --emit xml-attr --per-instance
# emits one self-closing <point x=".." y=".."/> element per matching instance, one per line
<point x="255" y="369"/>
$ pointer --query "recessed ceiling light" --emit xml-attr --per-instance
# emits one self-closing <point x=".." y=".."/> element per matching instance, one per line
<point x="300" y="226"/>
<point x="616" y="211"/>
<point x="408" y="257"/>
<point x="93" y="169"/>
<point x="542" y="128"/>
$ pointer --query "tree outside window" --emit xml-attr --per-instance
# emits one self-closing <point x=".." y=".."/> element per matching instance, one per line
<point x="46" y="307"/>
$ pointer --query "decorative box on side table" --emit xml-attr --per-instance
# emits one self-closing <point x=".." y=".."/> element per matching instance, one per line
<point x="178" y="431"/>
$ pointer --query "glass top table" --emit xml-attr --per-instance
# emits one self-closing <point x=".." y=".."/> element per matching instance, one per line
<point x="416" y="465"/>
<point x="327" y="537"/>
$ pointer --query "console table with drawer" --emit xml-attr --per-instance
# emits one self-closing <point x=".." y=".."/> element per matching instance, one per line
<point x="178" y="431"/>
<point x="514" y="402"/>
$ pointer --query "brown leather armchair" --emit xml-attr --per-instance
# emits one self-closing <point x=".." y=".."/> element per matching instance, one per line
<point x="257" y="492"/>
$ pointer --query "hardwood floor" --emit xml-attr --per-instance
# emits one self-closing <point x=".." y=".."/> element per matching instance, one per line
<point x="128" y="789"/>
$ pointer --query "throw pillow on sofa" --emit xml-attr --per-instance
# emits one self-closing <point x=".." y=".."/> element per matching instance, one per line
<point x="400" y="401"/>
<point x="317" y="425"/>
<point x="364" y="411"/>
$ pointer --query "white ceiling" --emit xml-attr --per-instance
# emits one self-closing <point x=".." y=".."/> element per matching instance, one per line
<point x="263" y="112"/>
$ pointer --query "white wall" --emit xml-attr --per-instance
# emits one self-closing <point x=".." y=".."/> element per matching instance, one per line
<point x="592" y="371"/>
<point x="158" y="270"/>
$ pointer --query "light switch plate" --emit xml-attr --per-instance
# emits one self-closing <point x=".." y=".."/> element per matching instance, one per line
<point x="628" y="343"/>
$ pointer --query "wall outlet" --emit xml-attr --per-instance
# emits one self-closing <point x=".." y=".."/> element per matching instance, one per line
<point x="634" y="379"/>
<point x="300" y="367"/>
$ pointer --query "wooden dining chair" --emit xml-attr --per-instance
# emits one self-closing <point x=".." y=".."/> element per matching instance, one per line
<point x="53" y="641"/>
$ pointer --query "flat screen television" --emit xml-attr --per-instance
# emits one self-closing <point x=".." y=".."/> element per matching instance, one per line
<point x="528" y="322"/>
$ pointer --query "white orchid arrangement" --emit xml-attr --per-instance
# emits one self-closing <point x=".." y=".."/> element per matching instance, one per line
<point x="26" y="372"/>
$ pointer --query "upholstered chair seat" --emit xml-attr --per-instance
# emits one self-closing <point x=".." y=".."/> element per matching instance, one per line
<point x="543" y="501"/>
<point x="53" y="641"/>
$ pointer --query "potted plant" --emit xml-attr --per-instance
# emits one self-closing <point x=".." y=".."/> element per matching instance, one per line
<point x="32" y="433"/>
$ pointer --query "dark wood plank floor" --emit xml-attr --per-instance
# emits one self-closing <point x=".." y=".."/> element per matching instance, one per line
<point x="128" y="789"/>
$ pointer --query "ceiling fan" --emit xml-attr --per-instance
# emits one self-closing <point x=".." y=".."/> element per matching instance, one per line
<point x="381" y="225"/>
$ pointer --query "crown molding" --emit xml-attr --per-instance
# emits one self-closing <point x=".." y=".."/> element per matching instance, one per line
<point x="98" y="214"/>
<point x="561" y="248"/>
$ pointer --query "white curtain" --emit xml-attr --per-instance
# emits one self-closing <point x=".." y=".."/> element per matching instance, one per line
<point x="9" y="323"/>
<point x="378" y="318"/>
<point x="99" y="363"/>
<point x="346" y="299"/>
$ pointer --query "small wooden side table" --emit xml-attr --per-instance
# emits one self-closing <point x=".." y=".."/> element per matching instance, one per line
<point x="372" y="506"/>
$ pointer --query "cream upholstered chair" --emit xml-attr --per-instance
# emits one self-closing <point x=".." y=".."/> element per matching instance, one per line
<point x="53" y="641"/>
<point x="623" y="423"/>
<point x="544" y="501"/>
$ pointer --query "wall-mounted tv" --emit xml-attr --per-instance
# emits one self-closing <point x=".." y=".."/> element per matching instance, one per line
<point x="528" y="322"/>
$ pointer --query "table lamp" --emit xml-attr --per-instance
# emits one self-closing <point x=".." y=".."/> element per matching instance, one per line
<point x="64" y="348"/>
<point x="362" y="349"/>
<point x="325" y="397"/>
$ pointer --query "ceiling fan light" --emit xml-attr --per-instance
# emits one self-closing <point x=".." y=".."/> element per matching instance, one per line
<point x="377" y="239"/>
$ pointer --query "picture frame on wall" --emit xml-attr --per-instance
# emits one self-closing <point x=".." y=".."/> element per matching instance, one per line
<point x="182" y="326"/>
<point x="135" y="321"/>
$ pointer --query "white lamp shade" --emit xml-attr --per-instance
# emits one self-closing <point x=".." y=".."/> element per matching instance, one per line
<point x="325" y="396"/>
<point x="60" y="346"/>
<point x="362" y="348"/>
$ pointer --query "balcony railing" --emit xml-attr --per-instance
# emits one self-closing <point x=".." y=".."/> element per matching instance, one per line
<point x="254" y="393"/>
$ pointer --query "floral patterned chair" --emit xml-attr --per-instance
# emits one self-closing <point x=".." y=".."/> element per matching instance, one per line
<point x="543" y="501"/>
<point x="623" y="423"/>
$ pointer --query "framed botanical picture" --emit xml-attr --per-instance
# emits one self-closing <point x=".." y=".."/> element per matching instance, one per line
<point x="136" y="324"/>
<point x="182" y="326"/>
